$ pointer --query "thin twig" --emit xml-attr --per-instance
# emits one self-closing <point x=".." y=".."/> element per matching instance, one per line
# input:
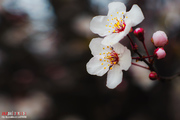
<point x="140" y="66"/>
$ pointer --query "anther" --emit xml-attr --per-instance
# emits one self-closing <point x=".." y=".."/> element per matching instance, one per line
<point x="104" y="67"/>
<point x="100" y="59"/>
<point x="111" y="68"/>
<point x="101" y="63"/>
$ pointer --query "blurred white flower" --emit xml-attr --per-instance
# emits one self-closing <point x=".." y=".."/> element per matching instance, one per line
<point x="117" y="24"/>
<point x="113" y="59"/>
<point x="141" y="77"/>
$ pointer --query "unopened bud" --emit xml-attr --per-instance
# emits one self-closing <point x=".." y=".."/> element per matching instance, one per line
<point x="139" y="33"/>
<point x="159" y="39"/>
<point x="153" y="75"/>
<point x="160" y="53"/>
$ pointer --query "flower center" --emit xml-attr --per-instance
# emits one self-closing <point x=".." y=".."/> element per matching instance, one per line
<point x="117" y="23"/>
<point x="119" y="26"/>
<point x="110" y="57"/>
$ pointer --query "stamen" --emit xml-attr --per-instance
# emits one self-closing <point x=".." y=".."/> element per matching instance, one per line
<point x="117" y="12"/>
<point x="101" y="63"/>
<point x="104" y="67"/>
<point x="111" y="15"/>
<point x="108" y="47"/>
<point x="103" y="53"/>
<point x="103" y="48"/>
<point x="106" y="25"/>
<point x="110" y="68"/>
<point x="100" y="59"/>
<point x="108" y="64"/>
<point x="109" y="31"/>
<point x="107" y="19"/>
<point x="114" y="62"/>
<point x="99" y="53"/>
<point x="104" y="60"/>
<point x="122" y="12"/>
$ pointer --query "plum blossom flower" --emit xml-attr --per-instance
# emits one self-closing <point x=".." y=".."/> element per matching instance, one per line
<point x="117" y="24"/>
<point x="111" y="59"/>
<point x="159" y="39"/>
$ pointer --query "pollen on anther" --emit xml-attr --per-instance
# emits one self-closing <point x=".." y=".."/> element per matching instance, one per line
<point x="114" y="62"/>
<point x="103" y="53"/>
<point x="99" y="53"/>
<point x="107" y="46"/>
<point x="106" y="25"/>
<point x="111" y="23"/>
<point x="104" y="60"/>
<point x="108" y="64"/>
<point x="100" y="59"/>
<point x="109" y="26"/>
<point x="117" y="12"/>
<point x="112" y="18"/>
<point x="111" y="15"/>
<point x="122" y="12"/>
<point x="110" y="48"/>
<point x="126" y="16"/>
<point x="111" y="68"/>
<point x="101" y="63"/>
<point x="107" y="19"/>
<point x="103" y="48"/>
<point x="104" y="67"/>
<point x="109" y="31"/>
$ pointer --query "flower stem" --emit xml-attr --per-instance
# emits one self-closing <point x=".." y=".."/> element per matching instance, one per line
<point x="140" y="66"/>
<point x="146" y="51"/>
<point x="143" y="57"/>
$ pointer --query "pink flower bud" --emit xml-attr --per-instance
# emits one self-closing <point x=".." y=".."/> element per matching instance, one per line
<point x="160" y="53"/>
<point x="139" y="33"/>
<point x="159" y="39"/>
<point x="153" y="75"/>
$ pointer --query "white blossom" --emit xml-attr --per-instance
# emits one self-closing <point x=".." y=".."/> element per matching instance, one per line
<point x="117" y="24"/>
<point x="111" y="59"/>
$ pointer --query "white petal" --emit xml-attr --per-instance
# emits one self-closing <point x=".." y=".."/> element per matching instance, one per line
<point x="125" y="59"/>
<point x="96" y="47"/>
<point x="98" y="25"/>
<point x="112" y="39"/>
<point x="115" y="7"/>
<point x="94" y="66"/>
<point x="118" y="48"/>
<point x="135" y="15"/>
<point x="114" y="77"/>
<point x="116" y="37"/>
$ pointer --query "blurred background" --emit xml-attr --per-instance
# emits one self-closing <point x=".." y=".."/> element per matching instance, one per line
<point x="43" y="55"/>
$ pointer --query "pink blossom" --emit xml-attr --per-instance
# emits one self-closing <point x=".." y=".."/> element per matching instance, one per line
<point x="160" y="53"/>
<point x="159" y="39"/>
